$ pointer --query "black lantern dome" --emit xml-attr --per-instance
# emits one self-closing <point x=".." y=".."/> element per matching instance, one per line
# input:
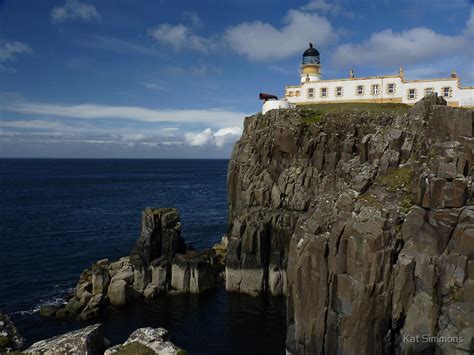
<point x="311" y="55"/>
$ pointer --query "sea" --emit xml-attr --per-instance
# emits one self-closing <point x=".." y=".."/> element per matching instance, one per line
<point x="58" y="216"/>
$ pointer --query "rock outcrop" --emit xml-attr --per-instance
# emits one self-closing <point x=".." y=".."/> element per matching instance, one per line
<point x="91" y="341"/>
<point x="160" y="262"/>
<point x="88" y="340"/>
<point x="147" y="341"/>
<point x="10" y="338"/>
<point x="364" y="219"/>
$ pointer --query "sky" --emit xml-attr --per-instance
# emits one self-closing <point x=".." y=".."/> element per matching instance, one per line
<point x="175" y="78"/>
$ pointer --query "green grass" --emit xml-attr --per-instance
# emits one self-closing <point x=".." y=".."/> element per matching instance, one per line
<point x="369" y="199"/>
<point x="397" y="179"/>
<point x="400" y="180"/>
<point x="135" y="348"/>
<point x="315" y="113"/>
<point x="5" y="342"/>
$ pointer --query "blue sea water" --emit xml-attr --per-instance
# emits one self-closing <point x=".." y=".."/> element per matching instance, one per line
<point x="58" y="216"/>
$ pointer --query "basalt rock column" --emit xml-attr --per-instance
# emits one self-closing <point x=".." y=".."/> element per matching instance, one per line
<point x="364" y="218"/>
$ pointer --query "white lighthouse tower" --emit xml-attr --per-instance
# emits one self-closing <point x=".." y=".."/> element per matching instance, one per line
<point x="310" y="69"/>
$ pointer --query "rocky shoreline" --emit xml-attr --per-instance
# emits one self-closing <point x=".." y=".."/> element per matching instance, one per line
<point x="159" y="263"/>
<point x="10" y="338"/>
<point x="91" y="341"/>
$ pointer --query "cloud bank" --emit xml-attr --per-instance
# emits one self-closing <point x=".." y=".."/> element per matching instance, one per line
<point x="220" y="138"/>
<point x="392" y="48"/>
<point x="262" y="41"/>
<point x="214" y="117"/>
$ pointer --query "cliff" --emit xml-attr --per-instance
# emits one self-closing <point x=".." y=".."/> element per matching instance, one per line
<point x="362" y="218"/>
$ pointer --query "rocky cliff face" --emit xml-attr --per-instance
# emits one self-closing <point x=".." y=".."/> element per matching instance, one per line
<point x="364" y="219"/>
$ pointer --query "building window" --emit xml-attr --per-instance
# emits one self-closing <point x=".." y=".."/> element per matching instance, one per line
<point x="290" y="93"/>
<point x="307" y="78"/>
<point x="339" y="91"/>
<point x="310" y="93"/>
<point x="391" y="88"/>
<point x="447" y="92"/>
<point x="323" y="92"/>
<point x="297" y="93"/>
<point x="375" y="89"/>
<point x="429" y="91"/>
<point x="360" y="90"/>
<point x="411" y="94"/>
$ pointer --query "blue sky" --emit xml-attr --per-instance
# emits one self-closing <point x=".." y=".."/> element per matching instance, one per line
<point x="174" y="78"/>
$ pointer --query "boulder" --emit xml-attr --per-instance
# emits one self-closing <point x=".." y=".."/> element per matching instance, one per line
<point x="49" y="310"/>
<point x="161" y="273"/>
<point x="93" y="307"/>
<point x="100" y="279"/>
<point x="193" y="272"/>
<point x="147" y="341"/>
<point x="126" y="273"/>
<point x="151" y="291"/>
<point x="88" y="340"/>
<point x="119" y="293"/>
<point x="72" y="308"/>
<point x="83" y="287"/>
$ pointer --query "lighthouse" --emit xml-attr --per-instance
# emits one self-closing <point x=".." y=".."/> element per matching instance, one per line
<point x="310" y="68"/>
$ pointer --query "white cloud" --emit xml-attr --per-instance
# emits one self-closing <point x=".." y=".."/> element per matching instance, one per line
<point x="214" y="117"/>
<point x="262" y="41"/>
<point x="229" y="135"/>
<point x="392" y="48"/>
<point x="180" y="37"/>
<point x="469" y="30"/>
<point x="32" y="124"/>
<point x="9" y="50"/>
<point x="208" y="137"/>
<point x="331" y="8"/>
<point x="74" y="10"/>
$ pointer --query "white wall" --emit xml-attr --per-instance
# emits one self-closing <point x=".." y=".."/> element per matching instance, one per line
<point x="462" y="96"/>
<point x="274" y="105"/>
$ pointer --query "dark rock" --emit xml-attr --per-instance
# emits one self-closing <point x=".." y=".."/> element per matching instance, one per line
<point x="100" y="279"/>
<point x="49" y="310"/>
<point x="160" y="236"/>
<point x="120" y="293"/>
<point x="10" y="338"/>
<point x="362" y="219"/>
<point x="193" y="272"/>
<point x="93" y="308"/>
<point x="73" y="307"/>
